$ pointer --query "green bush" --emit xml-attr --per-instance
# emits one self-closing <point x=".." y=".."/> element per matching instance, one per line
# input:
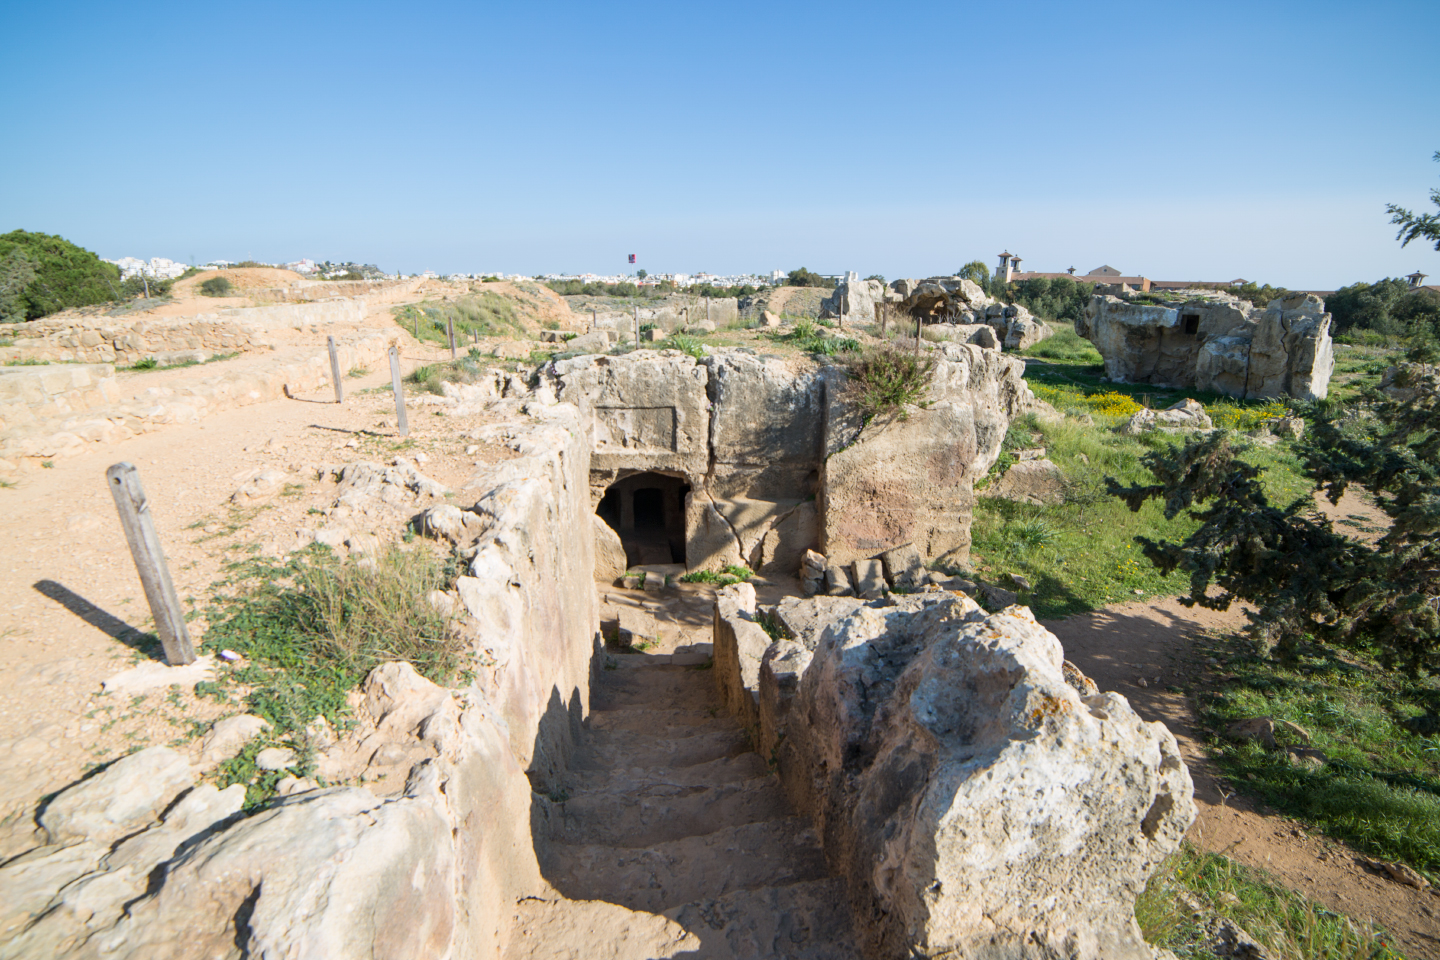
<point x="884" y="381"/>
<point x="806" y="278"/>
<point x="216" y="287"/>
<point x="41" y="274"/>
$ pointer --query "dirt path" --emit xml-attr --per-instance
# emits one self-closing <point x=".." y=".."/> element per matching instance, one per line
<point x="74" y="604"/>
<point x="668" y="810"/>
<point x="1141" y="650"/>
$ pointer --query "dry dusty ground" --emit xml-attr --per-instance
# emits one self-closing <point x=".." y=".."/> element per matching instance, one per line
<point x="1139" y="650"/>
<point x="75" y="602"/>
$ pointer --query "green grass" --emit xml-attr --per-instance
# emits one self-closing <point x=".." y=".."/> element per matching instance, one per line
<point x="146" y="363"/>
<point x="1288" y="925"/>
<point x="313" y="627"/>
<point x="485" y="313"/>
<point x="1080" y="554"/>
<point x="465" y="370"/>
<point x="1065" y="346"/>
<point x="811" y="336"/>
<point x="1380" y="790"/>
<point x="723" y="577"/>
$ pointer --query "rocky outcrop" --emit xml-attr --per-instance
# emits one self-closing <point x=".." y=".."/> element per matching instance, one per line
<point x="1216" y="343"/>
<point x="855" y="300"/>
<point x="427" y="861"/>
<point x="901" y="480"/>
<point x="956" y="307"/>
<point x="977" y="802"/>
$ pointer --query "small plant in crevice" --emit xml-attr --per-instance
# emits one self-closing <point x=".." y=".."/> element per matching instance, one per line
<point x="734" y="573"/>
<point x="884" y="381"/>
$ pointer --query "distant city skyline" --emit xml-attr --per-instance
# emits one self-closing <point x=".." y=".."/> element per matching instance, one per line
<point x="1222" y="140"/>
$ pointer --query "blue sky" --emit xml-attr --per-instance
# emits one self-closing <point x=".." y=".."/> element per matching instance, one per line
<point x="1195" y="141"/>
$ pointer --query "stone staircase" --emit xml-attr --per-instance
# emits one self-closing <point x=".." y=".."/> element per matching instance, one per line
<point x="669" y="811"/>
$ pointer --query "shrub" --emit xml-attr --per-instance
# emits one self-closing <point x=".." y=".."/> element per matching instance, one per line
<point x="49" y="274"/>
<point x="1112" y="404"/>
<point x="216" y="287"/>
<point x="884" y="381"/>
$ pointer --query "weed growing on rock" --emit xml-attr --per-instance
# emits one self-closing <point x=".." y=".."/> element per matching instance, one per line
<point x="884" y="381"/>
<point x="313" y="627"/>
<point x="687" y="344"/>
<point x="147" y="363"/>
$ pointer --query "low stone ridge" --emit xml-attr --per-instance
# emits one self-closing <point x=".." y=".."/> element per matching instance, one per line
<point x="1029" y="481"/>
<point x="1217" y="343"/>
<point x="1186" y="415"/>
<point x="977" y="803"/>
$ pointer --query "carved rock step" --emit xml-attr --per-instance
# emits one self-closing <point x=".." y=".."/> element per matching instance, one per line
<point x="611" y="749"/>
<point x="640" y="771"/>
<point x="800" y="921"/>
<point x="630" y="813"/>
<point x="678" y="871"/>
<point x="659" y="686"/>
<point x="658" y="722"/>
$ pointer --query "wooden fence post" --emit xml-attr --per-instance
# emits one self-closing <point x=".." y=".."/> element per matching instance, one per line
<point x="450" y="332"/>
<point x="139" y="524"/>
<point x="399" y="389"/>
<point x="335" y="371"/>
<point x="637" y="325"/>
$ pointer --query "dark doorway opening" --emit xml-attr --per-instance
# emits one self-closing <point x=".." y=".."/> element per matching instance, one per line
<point x="1192" y="323"/>
<point x="650" y="509"/>
<point x="647" y="510"/>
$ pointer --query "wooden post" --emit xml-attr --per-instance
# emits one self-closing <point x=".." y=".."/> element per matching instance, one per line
<point x="139" y="524"/>
<point x="335" y="370"/>
<point x="707" y="309"/>
<point x="450" y="333"/>
<point x="417" y="325"/>
<point x="917" y="334"/>
<point x="592" y="321"/>
<point x="399" y="389"/>
<point x="637" y="325"/>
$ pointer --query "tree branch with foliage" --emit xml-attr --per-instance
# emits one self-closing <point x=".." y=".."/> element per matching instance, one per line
<point x="1413" y="226"/>
<point x="1304" y="578"/>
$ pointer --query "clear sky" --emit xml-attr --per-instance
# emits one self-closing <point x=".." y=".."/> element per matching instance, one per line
<point x="1202" y="141"/>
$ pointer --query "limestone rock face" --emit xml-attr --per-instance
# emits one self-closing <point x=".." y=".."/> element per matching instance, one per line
<point x="763" y="426"/>
<point x="858" y="299"/>
<point x="895" y="481"/>
<point x="980" y="334"/>
<point x="647" y="410"/>
<point x="1030" y="481"/>
<point x="976" y="802"/>
<point x="1216" y="343"/>
<point x="609" y="552"/>
<point x="128" y="794"/>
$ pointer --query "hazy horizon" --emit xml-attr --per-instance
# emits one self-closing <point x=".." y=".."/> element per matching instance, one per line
<point x="1256" y="141"/>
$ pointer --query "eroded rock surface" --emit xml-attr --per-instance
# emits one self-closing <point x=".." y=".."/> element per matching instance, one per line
<point x="977" y="802"/>
<point x="1216" y="343"/>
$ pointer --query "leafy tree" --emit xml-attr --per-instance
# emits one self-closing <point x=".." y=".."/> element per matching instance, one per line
<point x="805" y="278"/>
<point x="17" y="272"/>
<point x="1060" y="298"/>
<point x="876" y="276"/>
<point x="1424" y="226"/>
<point x="1368" y="306"/>
<point x="1304" y="577"/>
<point x="975" y="271"/>
<point x="1258" y="294"/>
<point x="642" y="274"/>
<point x="65" y="275"/>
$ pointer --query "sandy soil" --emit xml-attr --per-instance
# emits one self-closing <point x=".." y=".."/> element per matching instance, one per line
<point x="74" y="602"/>
<point x="1142" y="649"/>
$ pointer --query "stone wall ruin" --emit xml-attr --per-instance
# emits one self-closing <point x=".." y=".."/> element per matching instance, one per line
<point x="1215" y="342"/>
<point x="771" y="459"/>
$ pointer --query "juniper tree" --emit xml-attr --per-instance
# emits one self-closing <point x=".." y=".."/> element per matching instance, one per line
<point x="1304" y="577"/>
